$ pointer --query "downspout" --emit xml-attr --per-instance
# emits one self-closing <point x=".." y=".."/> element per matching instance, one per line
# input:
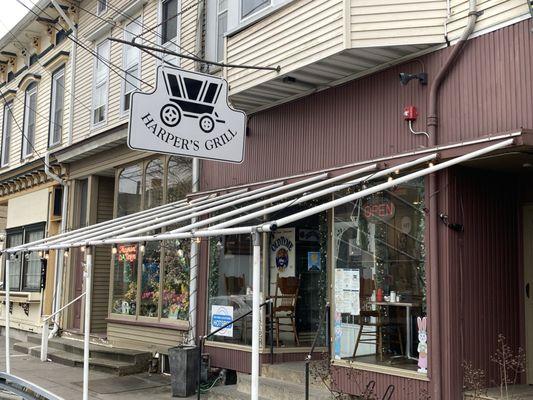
<point x="58" y="276"/>
<point x="73" y="58"/>
<point x="432" y="127"/>
<point x="195" y="248"/>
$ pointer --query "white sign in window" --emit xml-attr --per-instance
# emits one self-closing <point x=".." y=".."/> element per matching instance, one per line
<point x="221" y="316"/>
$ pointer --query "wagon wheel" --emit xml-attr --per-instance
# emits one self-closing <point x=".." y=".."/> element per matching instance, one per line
<point x="171" y="115"/>
<point x="207" y="124"/>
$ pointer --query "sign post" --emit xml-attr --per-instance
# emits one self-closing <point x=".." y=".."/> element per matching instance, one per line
<point x="187" y="114"/>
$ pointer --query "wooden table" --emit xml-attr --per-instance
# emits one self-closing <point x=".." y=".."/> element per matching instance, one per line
<point x="408" y="307"/>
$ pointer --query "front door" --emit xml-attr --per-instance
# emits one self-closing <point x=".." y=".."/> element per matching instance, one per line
<point x="528" y="287"/>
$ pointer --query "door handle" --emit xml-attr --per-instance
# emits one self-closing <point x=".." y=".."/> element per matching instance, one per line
<point x="527" y="290"/>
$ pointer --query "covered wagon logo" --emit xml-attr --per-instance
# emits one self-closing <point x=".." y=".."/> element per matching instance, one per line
<point x="187" y="114"/>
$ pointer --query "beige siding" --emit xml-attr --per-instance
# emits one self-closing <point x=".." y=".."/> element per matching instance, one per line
<point x="295" y="36"/>
<point x="102" y="257"/>
<point x="43" y="107"/>
<point x="144" y="337"/>
<point x="188" y="31"/>
<point x="495" y="12"/>
<point x="396" y="22"/>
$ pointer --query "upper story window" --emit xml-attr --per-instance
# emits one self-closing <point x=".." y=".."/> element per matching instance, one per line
<point x="101" y="7"/>
<point x="129" y="190"/>
<point x="169" y="20"/>
<point x="131" y="63"/>
<point x="6" y="133"/>
<point x="56" y="108"/>
<point x="222" y="27"/>
<point x="30" y="114"/>
<point x="101" y="78"/>
<point x="153" y="194"/>
<point x="250" y="7"/>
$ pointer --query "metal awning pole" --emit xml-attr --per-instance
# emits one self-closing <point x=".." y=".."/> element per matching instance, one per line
<point x="256" y="287"/>
<point x="6" y="310"/>
<point x="87" y="323"/>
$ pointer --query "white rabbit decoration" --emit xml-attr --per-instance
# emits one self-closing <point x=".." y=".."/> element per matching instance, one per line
<point x="422" y="345"/>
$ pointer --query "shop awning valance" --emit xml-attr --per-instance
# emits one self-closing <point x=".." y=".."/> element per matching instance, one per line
<point x="234" y="212"/>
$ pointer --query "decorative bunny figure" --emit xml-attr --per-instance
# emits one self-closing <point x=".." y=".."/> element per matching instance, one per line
<point x="422" y="345"/>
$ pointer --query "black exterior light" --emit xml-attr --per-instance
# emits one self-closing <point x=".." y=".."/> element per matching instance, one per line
<point x="422" y="78"/>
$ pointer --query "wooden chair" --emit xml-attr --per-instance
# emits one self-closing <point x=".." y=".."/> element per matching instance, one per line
<point x="234" y="284"/>
<point x="284" y="305"/>
<point x="379" y="326"/>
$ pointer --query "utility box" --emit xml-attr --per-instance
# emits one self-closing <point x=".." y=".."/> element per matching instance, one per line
<point x="183" y="362"/>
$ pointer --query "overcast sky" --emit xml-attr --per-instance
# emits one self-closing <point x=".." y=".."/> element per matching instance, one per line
<point x="12" y="12"/>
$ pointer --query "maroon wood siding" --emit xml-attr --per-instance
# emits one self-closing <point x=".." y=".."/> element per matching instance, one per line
<point x="481" y="281"/>
<point x="349" y="381"/>
<point x="363" y="119"/>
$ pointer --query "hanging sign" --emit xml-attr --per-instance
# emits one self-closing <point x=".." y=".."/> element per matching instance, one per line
<point x="220" y="316"/>
<point x="187" y="114"/>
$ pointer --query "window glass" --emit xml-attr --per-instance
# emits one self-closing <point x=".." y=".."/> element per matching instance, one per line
<point x="169" y="20"/>
<point x="230" y="282"/>
<point x="380" y="275"/>
<point x="222" y="27"/>
<point x="6" y="133"/>
<point x="153" y="195"/>
<point x="125" y="280"/>
<point x="179" y="182"/>
<point x="101" y="6"/>
<point x="15" y="265"/>
<point x="175" y="301"/>
<point x="101" y="76"/>
<point x="30" y="110"/>
<point x="249" y="7"/>
<point x="58" y="95"/>
<point x="131" y="62"/>
<point x="32" y="263"/>
<point x="150" y="273"/>
<point x="129" y="190"/>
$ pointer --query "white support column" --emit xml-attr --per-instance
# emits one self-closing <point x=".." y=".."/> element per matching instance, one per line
<point x="87" y="319"/>
<point x="256" y="289"/>
<point x="194" y="258"/>
<point x="6" y="310"/>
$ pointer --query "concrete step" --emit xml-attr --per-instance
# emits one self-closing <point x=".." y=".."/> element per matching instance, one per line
<point x="115" y="367"/>
<point x="290" y="372"/>
<point x="228" y="392"/>
<point x="274" y="389"/>
<point x="75" y="346"/>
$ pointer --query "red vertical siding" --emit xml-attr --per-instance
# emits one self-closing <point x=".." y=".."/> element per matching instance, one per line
<point x="489" y="91"/>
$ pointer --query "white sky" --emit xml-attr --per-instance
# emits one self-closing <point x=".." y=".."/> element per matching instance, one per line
<point x="12" y="12"/>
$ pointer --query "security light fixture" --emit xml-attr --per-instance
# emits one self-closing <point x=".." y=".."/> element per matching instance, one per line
<point x="422" y="78"/>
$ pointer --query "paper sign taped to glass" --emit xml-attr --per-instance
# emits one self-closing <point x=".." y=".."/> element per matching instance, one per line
<point x="347" y="288"/>
<point x="187" y="114"/>
<point x="220" y="316"/>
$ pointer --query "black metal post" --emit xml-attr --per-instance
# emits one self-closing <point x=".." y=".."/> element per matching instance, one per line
<point x="200" y="345"/>
<point x="307" y="379"/>
<point x="271" y="311"/>
<point x="328" y="330"/>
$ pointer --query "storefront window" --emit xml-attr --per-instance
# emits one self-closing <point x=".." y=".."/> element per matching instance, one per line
<point x="380" y="276"/>
<point x="230" y="282"/>
<point x="179" y="178"/>
<point x="32" y="262"/>
<point x="175" y="302"/>
<point x="129" y="190"/>
<point x="125" y="280"/>
<point x="150" y="280"/>
<point x="15" y="264"/>
<point x="153" y="195"/>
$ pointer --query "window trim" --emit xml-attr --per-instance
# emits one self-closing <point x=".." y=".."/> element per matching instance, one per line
<point x="163" y="23"/>
<point x="95" y="84"/>
<point x="30" y="91"/>
<point x="55" y="75"/>
<point x="125" y="67"/>
<point x="254" y="13"/>
<point x="174" y="42"/>
<point x="8" y="107"/>
<point x="218" y="14"/>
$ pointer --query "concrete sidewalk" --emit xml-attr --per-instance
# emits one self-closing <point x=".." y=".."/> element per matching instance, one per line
<point x="67" y="382"/>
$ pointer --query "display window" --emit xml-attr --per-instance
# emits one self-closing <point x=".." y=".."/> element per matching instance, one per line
<point x="379" y="277"/>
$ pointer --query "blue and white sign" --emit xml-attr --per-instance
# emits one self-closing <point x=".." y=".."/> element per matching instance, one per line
<point x="187" y="114"/>
<point x="220" y="316"/>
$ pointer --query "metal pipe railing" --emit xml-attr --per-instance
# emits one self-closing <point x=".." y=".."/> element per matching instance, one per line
<point x="202" y="339"/>
<point x="46" y="327"/>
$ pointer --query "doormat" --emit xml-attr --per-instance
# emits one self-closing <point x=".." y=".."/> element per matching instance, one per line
<point x="123" y="384"/>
